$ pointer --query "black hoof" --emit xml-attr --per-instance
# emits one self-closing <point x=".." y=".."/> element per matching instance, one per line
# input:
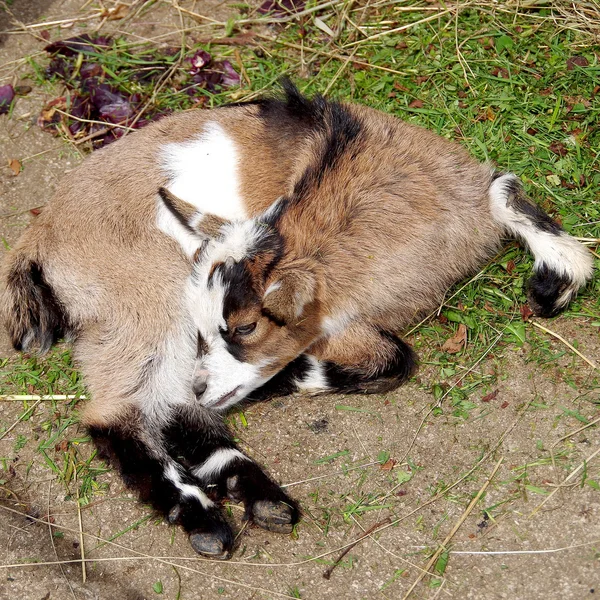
<point x="278" y="517"/>
<point x="211" y="544"/>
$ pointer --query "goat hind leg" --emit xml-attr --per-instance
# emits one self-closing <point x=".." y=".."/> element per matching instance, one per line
<point x="361" y="359"/>
<point x="203" y="443"/>
<point x="147" y="467"/>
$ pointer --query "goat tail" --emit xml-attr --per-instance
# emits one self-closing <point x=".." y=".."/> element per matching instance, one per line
<point x="29" y="308"/>
<point x="562" y="265"/>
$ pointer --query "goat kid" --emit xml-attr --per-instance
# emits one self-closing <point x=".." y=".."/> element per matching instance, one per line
<point x="381" y="220"/>
<point x="347" y="258"/>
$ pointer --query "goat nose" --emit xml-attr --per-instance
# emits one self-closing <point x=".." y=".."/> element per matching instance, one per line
<point x="199" y="387"/>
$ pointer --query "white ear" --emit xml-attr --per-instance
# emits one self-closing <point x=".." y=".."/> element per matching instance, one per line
<point x="178" y="224"/>
<point x="184" y="223"/>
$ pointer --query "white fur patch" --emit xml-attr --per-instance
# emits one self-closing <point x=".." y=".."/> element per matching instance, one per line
<point x="336" y="324"/>
<point x="217" y="461"/>
<point x="169" y="381"/>
<point x="276" y="285"/>
<point x="559" y="252"/>
<point x="315" y="380"/>
<point x="187" y="491"/>
<point x="230" y="380"/>
<point x="204" y="173"/>
<point x="169" y="225"/>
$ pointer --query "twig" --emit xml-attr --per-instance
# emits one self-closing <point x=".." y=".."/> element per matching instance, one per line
<point x="562" y="339"/>
<point x="572" y="433"/>
<point x="402" y="28"/>
<point x="443" y="546"/>
<point x="570" y="476"/>
<point x="16" y="397"/>
<point x="80" y="521"/>
<point x="62" y="570"/>
<point x="25" y="414"/>
<point x="327" y="573"/>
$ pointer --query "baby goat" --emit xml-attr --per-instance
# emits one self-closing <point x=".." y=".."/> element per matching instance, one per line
<point x="376" y="219"/>
<point x="379" y="220"/>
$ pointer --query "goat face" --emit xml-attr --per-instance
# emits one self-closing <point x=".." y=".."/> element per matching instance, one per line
<point x="253" y="315"/>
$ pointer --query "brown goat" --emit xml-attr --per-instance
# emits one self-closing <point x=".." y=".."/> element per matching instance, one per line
<point x="376" y="219"/>
<point x="379" y="221"/>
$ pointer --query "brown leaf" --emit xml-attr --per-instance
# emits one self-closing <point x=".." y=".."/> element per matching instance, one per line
<point x="558" y="148"/>
<point x="401" y="45"/>
<point x="388" y="465"/>
<point x="113" y="14"/>
<point x="504" y="404"/>
<point x="14" y="165"/>
<point x="399" y="86"/>
<point x="526" y="312"/>
<point x="490" y="396"/>
<point x="579" y="61"/>
<point x="35" y="211"/>
<point x="457" y="342"/>
<point x="510" y="266"/>
<point x="416" y="104"/>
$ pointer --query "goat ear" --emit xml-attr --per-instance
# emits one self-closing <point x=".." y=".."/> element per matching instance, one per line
<point x="194" y="221"/>
<point x="287" y="296"/>
<point x="32" y="312"/>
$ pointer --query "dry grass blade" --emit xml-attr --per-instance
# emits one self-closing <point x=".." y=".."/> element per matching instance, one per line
<point x="565" y="482"/>
<point x="444" y="545"/>
<point x="570" y="346"/>
<point x="25" y="414"/>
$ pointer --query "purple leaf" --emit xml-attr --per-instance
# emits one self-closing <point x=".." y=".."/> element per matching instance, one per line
<point x="7" y="94"/>
<point x="117" y="112"/>
<point x="60" y="67"/>
<point x="89" y="69"/>
<point x="199" y="61"/>
<point x="81" y="43"/>
<point x="281" y="8"/>
<point x="230" y="76"/>
<point x="207" y="79"/>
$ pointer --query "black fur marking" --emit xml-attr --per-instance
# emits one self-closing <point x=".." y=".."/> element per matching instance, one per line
<point x="340" y="131"/>
<point x="164" y="196"/>
<point x="544" y="289"/>
<point x="284" y="382"/>
<point x="39" y="316"/>
<point x="193" y="438"/>
<point x="346" y="380"/>
<point x="202" y="348"/>
<point x="519" y="202"/>
<point x="144" y="473"/>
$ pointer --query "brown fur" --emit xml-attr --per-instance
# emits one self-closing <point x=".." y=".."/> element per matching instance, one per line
<point x="118" y="278"/>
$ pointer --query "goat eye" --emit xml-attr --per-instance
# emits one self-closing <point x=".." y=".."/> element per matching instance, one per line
<point x="245" y="329"/>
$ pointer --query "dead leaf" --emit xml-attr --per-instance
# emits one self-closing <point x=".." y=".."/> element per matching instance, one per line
<point x="35" y="211"/>
<point x="526" y="312"/>
<point x="15" y="165"/>
<point x="388" y="465"/>
<point x="510" y="266"/>
<point x="489" y="397"/>
<point x="577" y="61"/>
<point x="504" y="404"/>
<point x="416" y="104"/>
<point x="118" y="12"/>
<point x="558" y="148"/>
<point x="457" y="342"/>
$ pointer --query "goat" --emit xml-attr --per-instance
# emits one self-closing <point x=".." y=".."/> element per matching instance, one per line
<point x="380" y="219"/>
<point x="303" y="294"/>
